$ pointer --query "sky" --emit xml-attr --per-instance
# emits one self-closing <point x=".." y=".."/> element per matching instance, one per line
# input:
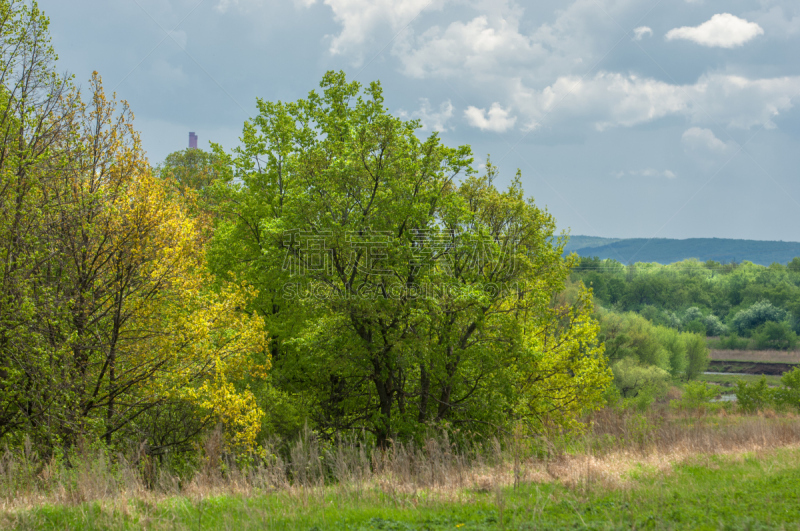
<point x="626" y="118"/>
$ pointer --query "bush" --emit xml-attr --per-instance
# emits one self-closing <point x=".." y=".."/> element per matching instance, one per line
<point x="695" y="395"/>
<point x="695" y="322"/>
<point x="745" y="321"/>
<point x="732" y="342"/>
<point x="695" y="327"/>
<point x="788" y="395"/>
<point x="632" y="378"/>
<point x="754" y="397"/>
<point x="696" y="355"/>
<point x="772" y="335"/>
<point x="714" y="326"/>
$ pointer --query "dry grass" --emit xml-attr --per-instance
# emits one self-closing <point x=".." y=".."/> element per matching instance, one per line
<point x="759" y="356"/>
<point x="618" y="445"/>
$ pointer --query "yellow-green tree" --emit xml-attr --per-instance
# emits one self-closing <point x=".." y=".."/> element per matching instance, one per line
<point x="109" y="323"/>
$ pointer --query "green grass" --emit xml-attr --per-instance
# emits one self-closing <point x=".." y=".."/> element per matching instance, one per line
<point x="729" y="380"/>
<point x="710" y="493"/>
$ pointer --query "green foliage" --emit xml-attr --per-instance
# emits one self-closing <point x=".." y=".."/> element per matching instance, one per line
<point x="697" y="395"/>
<point x="681" y="355"/>
<point x="633" y="378"/>
<point x="774" y="335"/>
<point x="695" y="327"/>
<point x="401" y="289"/>
<point x="723" y="297"/>
<point x="788" y="395"/>
<point x="751" y="397"/>
<point x="696" y="354"/>
<point x="745" y="321"/>
<point x="732" y="342"/>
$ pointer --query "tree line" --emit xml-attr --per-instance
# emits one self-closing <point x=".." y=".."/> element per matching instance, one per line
<point x="335" y="270"/>
<point x="745" y="304"/>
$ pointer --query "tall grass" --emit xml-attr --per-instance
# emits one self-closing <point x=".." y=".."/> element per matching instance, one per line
<point x="615" y="441"/>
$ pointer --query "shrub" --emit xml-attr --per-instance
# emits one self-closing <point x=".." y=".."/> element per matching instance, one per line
<point x="695" y="327"/>
<point x="695" y="395"/>
<point x="759" y="313"/>
<point x="632" y="378"/>
<point x="692" y="314"/>
<point x="772" y="335"/>
<point x="754" y="397"/>
<point x="696" y="355"/>
<point x="733" y="342"/>
<point x="788" y="395"/>
<point x="714" y="326"/>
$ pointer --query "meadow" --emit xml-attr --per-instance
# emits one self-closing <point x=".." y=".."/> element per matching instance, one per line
<point x="667" y="467"/>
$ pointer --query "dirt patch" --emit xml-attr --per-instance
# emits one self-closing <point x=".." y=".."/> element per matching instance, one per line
<point x="749" y="367"/>
<point x="759" y="356"/>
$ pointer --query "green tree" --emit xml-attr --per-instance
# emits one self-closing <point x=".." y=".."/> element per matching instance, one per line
<point x="397" y="296"/>
<point x="745" y="321"/>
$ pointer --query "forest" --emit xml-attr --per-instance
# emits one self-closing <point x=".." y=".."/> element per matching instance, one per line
<point x="334" y="271"/>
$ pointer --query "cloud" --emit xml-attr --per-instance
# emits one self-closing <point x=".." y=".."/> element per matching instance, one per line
<point x="481" y="45"/>
<point x="697" y="138"/>
<point x="640" y="32"/>
<point x="613" y="100"/>
<point x="498" y="119"/>
<point x="777" y="22"/>
<point x="723" y="30"/>
<point x="361" y="18"/>
<point x="649" y="172"/>
<point x="430" y="119"/>
<point x="496" y="41"/>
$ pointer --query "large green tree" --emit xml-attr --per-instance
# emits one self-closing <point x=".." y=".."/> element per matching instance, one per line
<point x="401" y="288"/>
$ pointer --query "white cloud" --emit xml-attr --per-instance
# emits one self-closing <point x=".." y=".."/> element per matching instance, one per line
<point x="498" y="119"/>
<point x="649" y="172"/>
<point x="723" y="30"/>
<point x="612" y="99"/>
<point x="431" y="120"/>
<point x="480" y="46"/>
<point x="360" y="18"/>
<point x="697" y="138"/>
<point x="495" y="42"/>
<point x="640" y="32"/>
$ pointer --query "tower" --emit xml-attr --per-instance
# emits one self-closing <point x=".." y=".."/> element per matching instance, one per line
<point x="192" y="140"/>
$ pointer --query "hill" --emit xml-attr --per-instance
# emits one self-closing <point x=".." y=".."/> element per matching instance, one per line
<point x="667" y="251"/>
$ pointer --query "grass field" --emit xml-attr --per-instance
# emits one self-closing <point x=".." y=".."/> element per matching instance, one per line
<point x="744" y="491"/>
<point x="761" y="356"/>
<point x="663" y="468"/>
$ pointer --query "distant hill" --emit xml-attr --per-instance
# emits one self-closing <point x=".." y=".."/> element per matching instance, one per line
<point x="585" y="242"/>
<point x="667" y="251"/>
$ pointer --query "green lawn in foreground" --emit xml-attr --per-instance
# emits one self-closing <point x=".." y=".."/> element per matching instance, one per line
<point x="711" y="493"/>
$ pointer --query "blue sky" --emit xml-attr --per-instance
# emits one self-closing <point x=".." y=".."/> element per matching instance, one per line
<point x="627" y="118"/>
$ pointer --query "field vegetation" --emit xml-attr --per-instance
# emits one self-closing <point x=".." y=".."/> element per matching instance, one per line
<point x="669" y="465"/>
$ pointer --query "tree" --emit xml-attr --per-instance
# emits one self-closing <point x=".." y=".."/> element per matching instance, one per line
<point x="32" y="118"/>
<point x="109" y="324"/>
<point x="759" y="313"/>
<point x="122" y="323"/>
<point x="397" y="297"/>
